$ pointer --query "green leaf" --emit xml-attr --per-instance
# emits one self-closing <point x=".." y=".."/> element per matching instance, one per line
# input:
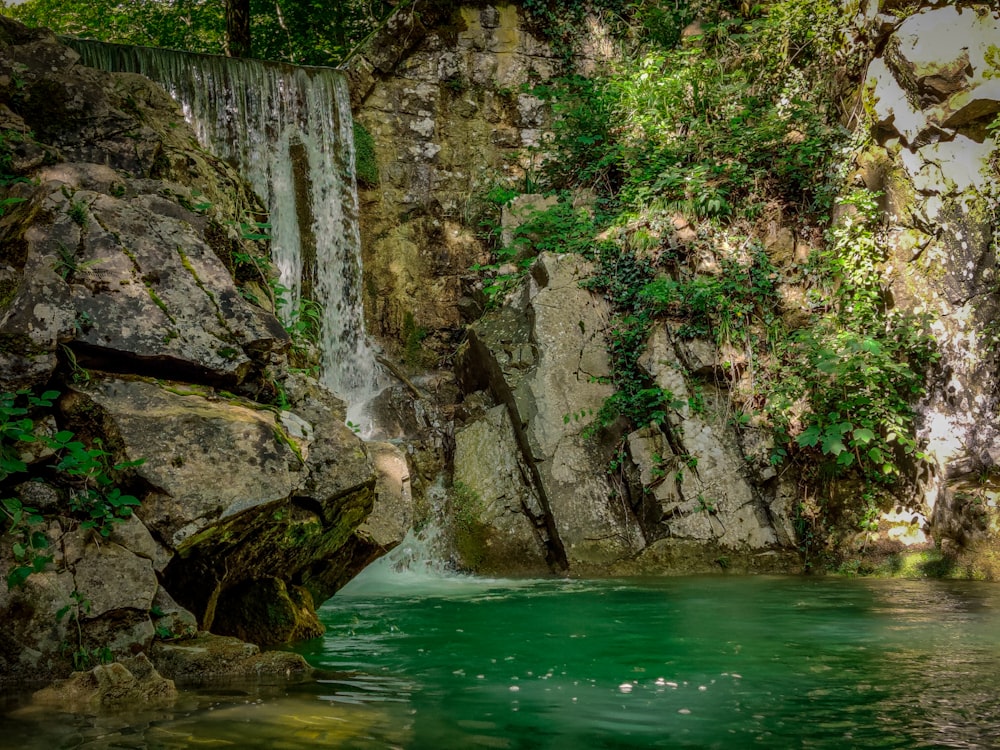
<point x="833" y="444"/>
<point x="863" y="436"/>
<point x="810" y="436"/>
<point x="19" y="550"/>
<point x="875" y="455"/>
<point x="18" y="576"/>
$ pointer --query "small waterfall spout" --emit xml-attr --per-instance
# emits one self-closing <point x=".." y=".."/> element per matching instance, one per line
<point x="288" y="129"/>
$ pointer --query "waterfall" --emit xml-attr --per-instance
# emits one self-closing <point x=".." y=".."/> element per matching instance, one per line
<point x="288" y="129"/>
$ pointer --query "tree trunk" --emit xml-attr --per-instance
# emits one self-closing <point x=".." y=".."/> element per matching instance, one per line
<point x="238" y="28"/>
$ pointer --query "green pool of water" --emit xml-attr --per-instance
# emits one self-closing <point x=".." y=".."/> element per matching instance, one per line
<point x="417" y="661"/>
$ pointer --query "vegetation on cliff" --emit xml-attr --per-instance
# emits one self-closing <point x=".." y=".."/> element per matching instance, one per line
<point x="716" y="128"/>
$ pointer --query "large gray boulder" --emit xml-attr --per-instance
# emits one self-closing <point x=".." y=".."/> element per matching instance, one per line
<point x="542" y="358"/>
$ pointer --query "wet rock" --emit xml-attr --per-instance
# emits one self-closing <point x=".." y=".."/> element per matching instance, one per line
<point x="209" y="656"/>
<point x="126" y="685"/>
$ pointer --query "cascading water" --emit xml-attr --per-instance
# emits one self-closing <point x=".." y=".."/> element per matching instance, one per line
<point x="288" y="129"/>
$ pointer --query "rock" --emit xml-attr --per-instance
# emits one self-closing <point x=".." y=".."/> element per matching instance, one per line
<point x="392" y="515"/>
<point x="690" y="557"/>
<point x="494" y="513"/>
<point x="521" y="210"/>
<point x="542" y="357"/>
<point x="444" y="105"/>
<point x="126" y="685"/>
<point x="105" y="254"/>
<point x="133" y="535"/>
<point x="209" y="656"/>
<point x="937" y="76"/>
<point x="267" y="612"/>
<point x="940" y="69"/>
<point x="116" y="296"/>
<point x="206" y="459"/>
<point x="119" y="260"/>
<point x="112" y="578"/>
<point x="170" y="619"/>
<point x="32" y="639"/>
<point x="695" y="479"/>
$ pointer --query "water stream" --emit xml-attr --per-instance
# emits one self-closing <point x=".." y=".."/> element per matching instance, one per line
<point x="288" y="130"/>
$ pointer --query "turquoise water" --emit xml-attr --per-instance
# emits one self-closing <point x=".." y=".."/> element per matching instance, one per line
<point x="417" y="661"/>
<point x="698" y="663"/>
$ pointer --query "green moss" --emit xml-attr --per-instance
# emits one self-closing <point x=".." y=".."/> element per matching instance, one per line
<point x="8" y="291"/>
<point x="366" y="163"/>
<point x="413" y="336"/>
<point x="159" y="303"/>
<point x="469" y="532"/>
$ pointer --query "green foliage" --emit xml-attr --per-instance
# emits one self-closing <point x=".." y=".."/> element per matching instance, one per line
<point x="735" y="119"/>
<point x="78" y="213"/>
<point x="302" y="318"/>
<point x="84" y="473"/>
<point x="621" y="277"/>
<point x="861" y="365"/>
<point x="307" y="32"/>
<point x="714" y="127"/>
<point x="731" y="306"/>
<point x="561" y="228"/>
<point x="17" y="430"/>
<point x="413" y="337"/>
<point x="83" y="658"/>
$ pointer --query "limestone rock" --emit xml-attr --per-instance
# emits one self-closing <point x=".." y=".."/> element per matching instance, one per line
<point x="170" y="619"/>
<point x="209" y="656"/>
<point x="105" y="254"/>
<point x="940" y="69"/>
<point x="112" y="578"/>
<point x="494" y="512"/>
<point x="123" y="685"/>
<point x="542" y="356"/>
<point x="442" y="103"/>
<point x="206" y="459"/>
<point x="392" y="513"/>
<point x="267" y="612"/>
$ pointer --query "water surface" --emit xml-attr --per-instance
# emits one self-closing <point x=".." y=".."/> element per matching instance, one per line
<point x="418" y="661"/>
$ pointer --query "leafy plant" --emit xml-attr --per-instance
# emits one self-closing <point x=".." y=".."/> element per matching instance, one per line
<point x="78" y="213"/>
<point x="861" y="365"/>
<point x="85" y="473"/>
<point x="83" y="658"/>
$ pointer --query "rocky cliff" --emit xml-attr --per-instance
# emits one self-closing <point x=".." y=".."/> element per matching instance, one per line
<point x="443" y="96"/>
<point x="166" y="390"/>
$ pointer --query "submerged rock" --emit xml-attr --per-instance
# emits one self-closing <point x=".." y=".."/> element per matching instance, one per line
<point x="210" y="656"/>
<point x="125" y="685"/>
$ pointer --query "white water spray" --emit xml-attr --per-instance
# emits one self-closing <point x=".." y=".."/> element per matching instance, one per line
<point x="289" y="131"/>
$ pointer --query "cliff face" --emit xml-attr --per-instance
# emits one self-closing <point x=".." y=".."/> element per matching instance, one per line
<point x="932" y="93"/>
<point x="532" y="490"/>
<point x="118" y="241"/>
